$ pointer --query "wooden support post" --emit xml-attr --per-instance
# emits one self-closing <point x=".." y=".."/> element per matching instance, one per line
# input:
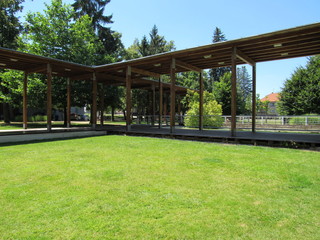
<point x="179" y="109"/>
<point x="68" y="103"/>
<point x="254" y="108"/>
<point x="201" y="101"/>
<point x="233" y="92"/>
<point x="49" y="96"/>
<point x="165" y="110"/>
<point x="94" y="100"/>
<point x="153" y="105"/>
<point x="172" y="96"/>
<point x="128" y="98"/>
<point x="25" y="101"/>
<point x="160" y="102"/>
<point x="101" y="104"/>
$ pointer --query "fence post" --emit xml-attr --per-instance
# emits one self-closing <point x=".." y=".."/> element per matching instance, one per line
<point x="306" y="121"/>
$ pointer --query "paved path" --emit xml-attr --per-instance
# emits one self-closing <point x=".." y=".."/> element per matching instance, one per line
<point x="240" y="135"/>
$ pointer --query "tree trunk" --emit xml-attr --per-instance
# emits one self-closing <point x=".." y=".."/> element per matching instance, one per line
<point x="65" y="116"/>
<point x="112" y="114"/>
<point x="91" y="115"/>
<point x="6" y="113"/>
<point x="124" y="114"/>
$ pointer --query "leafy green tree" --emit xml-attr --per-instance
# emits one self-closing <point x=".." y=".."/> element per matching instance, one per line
<point x="56" y="34"/>
<point x="10" y="28"/>
<point x="301" y="92"/>
<point x="211" y="110"/>
<point x="216" y="73"/>
<point x="222" y="93"/>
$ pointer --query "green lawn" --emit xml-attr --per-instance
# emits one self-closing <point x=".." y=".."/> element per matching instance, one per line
<point x="117" y="187"/>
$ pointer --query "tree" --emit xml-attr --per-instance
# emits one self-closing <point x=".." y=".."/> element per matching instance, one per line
<point x="222" y="92"/>
<point x="10" y="28"/>
<point x="211" y="110"/>
<point x="216" y="73"/>
<point x="301" y="92"/>
<point x="95" y="9"/>
<point x="244" y="81"/>
<point x="56" y="34"/>
<point x="156" y="44"/>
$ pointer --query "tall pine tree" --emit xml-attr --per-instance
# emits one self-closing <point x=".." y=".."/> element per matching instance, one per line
<point x="110" y="39"/>
<point x="216" y="73"/>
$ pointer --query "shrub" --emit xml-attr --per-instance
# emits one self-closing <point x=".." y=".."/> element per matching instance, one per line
<point x="212" y="111"/>
<point x="18" y="118"/>
<point x="39" y="118"/>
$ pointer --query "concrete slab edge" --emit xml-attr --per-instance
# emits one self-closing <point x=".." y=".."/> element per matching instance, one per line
<point x="48" y="136"/>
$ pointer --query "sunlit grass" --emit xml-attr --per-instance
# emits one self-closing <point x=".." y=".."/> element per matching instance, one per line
<point x="116" y="187"/>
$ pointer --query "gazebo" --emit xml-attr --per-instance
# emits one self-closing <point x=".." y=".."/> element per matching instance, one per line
<point x="290" y="43"/>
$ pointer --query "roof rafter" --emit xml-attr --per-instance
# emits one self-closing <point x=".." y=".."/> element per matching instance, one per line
<point x="187" y="66"/>
<point x="244" y="57"/>
<point x="145" y="72"/>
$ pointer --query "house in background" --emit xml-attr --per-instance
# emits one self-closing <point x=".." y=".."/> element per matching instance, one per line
<point x="271" y="101"/>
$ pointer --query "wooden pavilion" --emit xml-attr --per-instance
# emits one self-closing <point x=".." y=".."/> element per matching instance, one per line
<point x="289" y="43"/>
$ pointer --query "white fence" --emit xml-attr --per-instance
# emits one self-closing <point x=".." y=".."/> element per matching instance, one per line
<point x="304" y="122"/>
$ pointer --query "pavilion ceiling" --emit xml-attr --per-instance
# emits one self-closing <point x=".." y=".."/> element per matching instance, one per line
<point x="289" y="43"/>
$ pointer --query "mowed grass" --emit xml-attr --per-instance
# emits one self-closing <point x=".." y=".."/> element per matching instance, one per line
<point x="117" y="187"/>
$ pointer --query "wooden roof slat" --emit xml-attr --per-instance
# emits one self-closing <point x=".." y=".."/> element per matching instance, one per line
<point x="145" y="72"/>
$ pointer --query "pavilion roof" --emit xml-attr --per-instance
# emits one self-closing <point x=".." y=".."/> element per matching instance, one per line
<point x="290" y="43"/>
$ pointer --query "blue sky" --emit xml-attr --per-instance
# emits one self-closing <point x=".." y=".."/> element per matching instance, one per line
<point x="191" y="24"/>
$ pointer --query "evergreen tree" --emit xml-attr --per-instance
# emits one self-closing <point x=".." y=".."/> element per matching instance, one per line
<point x="216" y="73"/>
<point x="10" y="26"/>
<point x="301" y="92"/>
<point x="156" y="44"/>
<point x="111" y="40"/>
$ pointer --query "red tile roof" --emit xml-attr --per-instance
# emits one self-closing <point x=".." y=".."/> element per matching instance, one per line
<point x="272" y="97"/>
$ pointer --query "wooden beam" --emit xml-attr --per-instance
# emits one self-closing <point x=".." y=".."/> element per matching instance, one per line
<point x="201" y="101"/>
<point x="145" y="72"/>
<point x="244" y="57"/>
<point x="94" y="100"/>
<point x="110" y="77"/>
<point x="172" y="95"/>
<point x="128" y="98"/>
<point x="68" y="103"/>
<point x="254" y="108"/>
<point x="25" y="101"/>
<point x="233" y="92"/>
<point x="86" y="76"/>
<point x="49" y="96"/>
<point x="38" y="69"/>
<point x="160" y="102"/>
<point x="187" y="66"/>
